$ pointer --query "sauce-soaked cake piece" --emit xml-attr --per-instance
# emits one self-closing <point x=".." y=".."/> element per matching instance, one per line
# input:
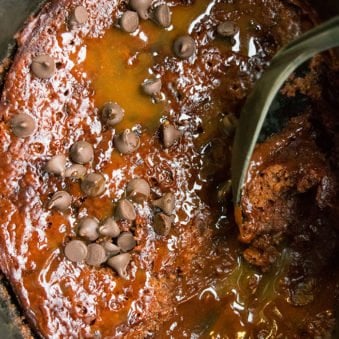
<point x="71" y="64"/>
<point x="293" y="175"/>
<point x="290" y="200"/>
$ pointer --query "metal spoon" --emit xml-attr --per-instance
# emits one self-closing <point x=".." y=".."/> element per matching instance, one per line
<point x="254" y="112"/>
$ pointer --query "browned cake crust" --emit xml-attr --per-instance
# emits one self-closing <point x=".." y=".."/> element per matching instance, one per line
<point x="64" y="299"/>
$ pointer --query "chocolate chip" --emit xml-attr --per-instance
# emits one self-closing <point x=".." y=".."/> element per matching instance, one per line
<point x="82" y="152"/>
<point x="125" y="210"/>
<point x="88" y="228"/>
<point x="93" y="184"/>
<point x="96" y="255"/>
<point x="22" y="125"/>
<point x="138" y="190"/>
<point x="126" y="241"/>
<point x="166" y="203"/>
<point x="151" y="87"/>
<point x="169" y="134"/>
<point x="43" y="66"/>
<point x="109" y="228"/>
<point x="79" y="16"/>
<point x="56" y="165"/>
<point x="127" y="142"/>
<point x="141" y="7"/>
<point x="227" y="29"/>
<point x="75" y="171"/>
<point x="162" y="224"/>
<point x="162" y="15"/>
<point x="112" y="114"/>
<point x="119" y="263"/>
<point x="60" y="201"/>
<point x="184" y="47"/>
<point x="129" y="22"/>
<point x="76" y="251"/>
<point x="110" y="248"/>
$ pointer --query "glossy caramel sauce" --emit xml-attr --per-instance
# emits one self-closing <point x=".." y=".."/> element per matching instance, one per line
<point x="194" y="282"/>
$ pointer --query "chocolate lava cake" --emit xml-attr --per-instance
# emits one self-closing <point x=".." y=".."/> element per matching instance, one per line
<point x="117" y="121"/>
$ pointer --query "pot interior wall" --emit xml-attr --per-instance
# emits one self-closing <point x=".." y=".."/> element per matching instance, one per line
<point x="13" y="14"/>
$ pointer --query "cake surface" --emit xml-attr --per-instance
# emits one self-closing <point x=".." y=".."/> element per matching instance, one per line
<point x="189" y="280"/>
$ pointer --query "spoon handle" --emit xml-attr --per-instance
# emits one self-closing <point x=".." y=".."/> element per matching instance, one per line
<point x="254" y="112"/>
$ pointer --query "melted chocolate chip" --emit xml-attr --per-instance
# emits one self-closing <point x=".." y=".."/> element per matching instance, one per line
<point x="184" y="47"/>
<point x="96" y="255"/>
<point x="109" y="228"/>
<point x="141" y="7"/>
<point x="60" y="201"/>
<point x="88" y="228"/>
<point x="227" y="29"/>
<point x="56" y="165"/>
<point x="110" y="248"/>
<point x="151" y="87"/>
<point x="169" y="135"/>
<point x="162" y="224"/>
<point x="75" y="171"/>
<point x="43" y="66"/>
<point x="82" y="152"/>
<point x="126" y="241"/>
<point x="93" y="184"/>
<point x="79" y="15"/>
<point x="119" y="263"/>
<point x="22" y="125"/>
<point x="127" y="142"/>
<point x="125" y="210"/>
<point x="166" y="203"/>
<point x="138" y="190"/>
<point x="112" y="114"/>
<point x="129" y="22"/>
<point x="76" y="251"/>
<point x="162" y="15"/>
